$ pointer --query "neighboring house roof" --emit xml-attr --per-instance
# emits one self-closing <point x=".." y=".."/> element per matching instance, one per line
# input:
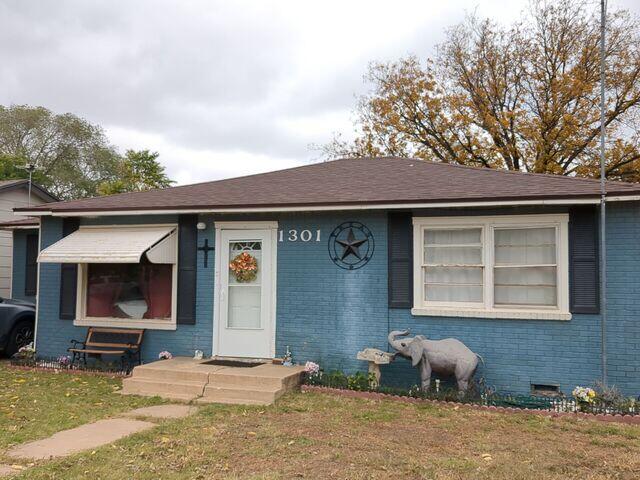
<point x="351" y="182"/>
<point x="20" y="224"/>
<point x="24" y="183"/>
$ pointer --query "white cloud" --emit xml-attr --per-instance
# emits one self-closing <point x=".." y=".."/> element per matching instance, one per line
<point x="218" y="88"/>
<point x="187" y="165"/>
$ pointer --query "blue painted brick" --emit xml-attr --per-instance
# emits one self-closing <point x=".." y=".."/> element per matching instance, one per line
<point x="53" y="334"/>
<point x="327" y="314"/>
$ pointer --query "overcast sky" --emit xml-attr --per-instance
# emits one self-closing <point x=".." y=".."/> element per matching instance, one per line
<point x="218" y="88"/>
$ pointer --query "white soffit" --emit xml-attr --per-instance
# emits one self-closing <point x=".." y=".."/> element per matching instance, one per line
<point x="113" y="245"/>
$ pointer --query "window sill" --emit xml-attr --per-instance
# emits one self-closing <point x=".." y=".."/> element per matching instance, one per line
<point x="125" y="323"/>
<point x="502" y="314"/>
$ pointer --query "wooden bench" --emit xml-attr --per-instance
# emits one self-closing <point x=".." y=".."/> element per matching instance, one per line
<point x="124" y="342"/>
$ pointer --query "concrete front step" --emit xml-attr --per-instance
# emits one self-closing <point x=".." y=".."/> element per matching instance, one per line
<point x="170" y="371"/>
<point x="194" y="380"/>
<point x="185" y="391"/>
<point x="248" y="396"/>
<point x="233" y="380"/>
<point x="156" y="374"/>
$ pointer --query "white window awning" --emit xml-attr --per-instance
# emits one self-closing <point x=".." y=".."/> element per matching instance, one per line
<point x="114" y="245"/>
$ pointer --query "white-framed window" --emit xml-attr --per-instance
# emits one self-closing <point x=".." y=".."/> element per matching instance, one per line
<point x="494" y="266"/>
<point x="130" y="295"/>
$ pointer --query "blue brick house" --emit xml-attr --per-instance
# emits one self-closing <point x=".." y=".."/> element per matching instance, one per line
<point x="328" y="258"/>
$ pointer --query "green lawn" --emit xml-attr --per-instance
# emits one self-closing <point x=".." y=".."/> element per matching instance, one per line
<point x="316" y="436"/>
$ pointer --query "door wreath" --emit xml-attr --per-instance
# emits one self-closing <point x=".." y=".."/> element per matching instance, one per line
<point x="244" y="267"/>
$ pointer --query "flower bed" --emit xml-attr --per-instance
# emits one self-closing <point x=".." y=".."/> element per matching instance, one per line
<point x="597" y="400"/>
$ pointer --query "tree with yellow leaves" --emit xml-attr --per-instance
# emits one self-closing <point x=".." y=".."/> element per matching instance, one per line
<point x="521" y="98"/>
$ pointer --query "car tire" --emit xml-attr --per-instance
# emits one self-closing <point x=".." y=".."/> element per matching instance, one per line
<point x="21" y="335"/>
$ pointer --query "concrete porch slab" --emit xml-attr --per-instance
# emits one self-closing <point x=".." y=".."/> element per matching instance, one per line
<point x="85" y="437"/>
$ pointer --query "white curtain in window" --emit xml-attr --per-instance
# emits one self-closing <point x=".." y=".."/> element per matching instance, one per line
<point x="525" y="271"/>
<point x="453" y="269"/>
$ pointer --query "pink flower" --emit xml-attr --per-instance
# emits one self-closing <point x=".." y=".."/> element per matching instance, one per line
<point x="311" y="367"/>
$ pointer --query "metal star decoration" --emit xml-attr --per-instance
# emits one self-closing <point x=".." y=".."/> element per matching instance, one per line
<point x="351" y="245"/>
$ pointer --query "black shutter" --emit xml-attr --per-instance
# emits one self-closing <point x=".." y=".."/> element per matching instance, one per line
<point x="400" y="258"/>
<point x="68" y="277"/>
<point x="31" y="265"/>
<point x="187" y="269"/>
<point x="584" y="273"/>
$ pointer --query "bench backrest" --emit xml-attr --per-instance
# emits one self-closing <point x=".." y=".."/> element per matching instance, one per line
<point x="114" y="337"/>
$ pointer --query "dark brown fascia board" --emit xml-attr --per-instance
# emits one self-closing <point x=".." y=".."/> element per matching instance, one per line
<point x="342" y="205"/>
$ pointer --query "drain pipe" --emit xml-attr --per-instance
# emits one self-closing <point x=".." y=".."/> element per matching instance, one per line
<point x="603" y="207"/>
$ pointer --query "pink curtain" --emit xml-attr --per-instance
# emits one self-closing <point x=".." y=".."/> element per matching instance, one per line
<point x="156" y="286"/>
<point x="102" y="292"/>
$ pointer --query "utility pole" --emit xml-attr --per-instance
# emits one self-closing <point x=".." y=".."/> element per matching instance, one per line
<point x="30" y="167"/>
<point x="603" y="195"/>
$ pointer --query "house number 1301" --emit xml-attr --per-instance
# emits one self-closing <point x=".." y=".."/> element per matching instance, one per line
<point x="294" y="235"/>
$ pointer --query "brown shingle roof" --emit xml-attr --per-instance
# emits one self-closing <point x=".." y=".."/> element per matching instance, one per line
<point x="354" y="182"/>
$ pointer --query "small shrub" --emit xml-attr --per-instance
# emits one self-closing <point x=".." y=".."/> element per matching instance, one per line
<point x="26" y="354"/>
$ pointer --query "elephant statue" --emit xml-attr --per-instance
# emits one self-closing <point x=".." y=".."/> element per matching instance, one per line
<point x="446" y="357"/>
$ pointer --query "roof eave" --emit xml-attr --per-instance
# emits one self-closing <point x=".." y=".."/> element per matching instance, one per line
<point x="19" y="227"/>
<point x="583" y="200"/>
<point x="35" y="189"/>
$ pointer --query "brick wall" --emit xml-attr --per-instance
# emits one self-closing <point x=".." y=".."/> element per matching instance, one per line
<point x="326" y="314"/>
<point x="623" y="295"/>
<point x="53" y="334"/>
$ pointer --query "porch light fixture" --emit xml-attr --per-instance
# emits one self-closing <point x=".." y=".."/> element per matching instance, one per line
<point x="201" y="226"/>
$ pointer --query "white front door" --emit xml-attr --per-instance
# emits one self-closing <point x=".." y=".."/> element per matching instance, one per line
<point x="246" y="297"/>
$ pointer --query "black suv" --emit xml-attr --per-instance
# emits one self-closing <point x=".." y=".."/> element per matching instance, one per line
<point x="17" y="324"/>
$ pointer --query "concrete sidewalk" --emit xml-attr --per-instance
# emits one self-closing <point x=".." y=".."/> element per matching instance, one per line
<point x="77" y="439"/>
<point x="93" y="435"/>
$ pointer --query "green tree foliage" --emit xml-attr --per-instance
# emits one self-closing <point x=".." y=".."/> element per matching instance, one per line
<point x="139" y="171"/>
<point x="12" y="168"/>
<point x="72" y="156"/>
